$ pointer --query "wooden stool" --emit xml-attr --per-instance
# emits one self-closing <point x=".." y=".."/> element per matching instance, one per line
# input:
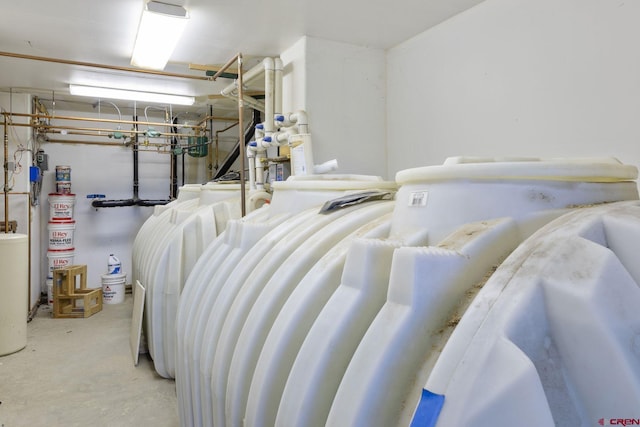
<point x="66" y="295"/>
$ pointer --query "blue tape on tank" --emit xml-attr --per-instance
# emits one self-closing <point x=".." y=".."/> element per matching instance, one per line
<point x="428" y="409"/>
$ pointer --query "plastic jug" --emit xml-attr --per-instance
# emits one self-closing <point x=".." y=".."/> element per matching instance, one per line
<point x="114" y="265"/>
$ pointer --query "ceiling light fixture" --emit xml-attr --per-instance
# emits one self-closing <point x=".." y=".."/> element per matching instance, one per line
<point x="130" y="95"/>
<point x="161" y="26"/>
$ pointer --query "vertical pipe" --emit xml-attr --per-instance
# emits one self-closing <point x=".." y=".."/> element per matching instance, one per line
<point x="29" y="254"/>
<point x="242" y="148"/>
<point x="173" y="193"/>
<point x="135" y="158"/>
<point x="277" y="100"/>
<point x="211" y="154"/>
<point x="6" y="175"/>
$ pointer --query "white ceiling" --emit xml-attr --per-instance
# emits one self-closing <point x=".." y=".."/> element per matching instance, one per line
<point x="103" y="32"/>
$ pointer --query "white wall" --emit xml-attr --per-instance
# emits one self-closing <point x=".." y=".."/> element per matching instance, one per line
<point x="342" y="88"/>
<point x="518" y="77"/>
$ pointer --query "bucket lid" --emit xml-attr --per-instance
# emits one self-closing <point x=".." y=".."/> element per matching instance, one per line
<point x="62" y="194"/>
<point x="601" y="169"/>
<point x="115" y="276"/>
<point x="62" y="221"/>
<point x="61" y="251"/>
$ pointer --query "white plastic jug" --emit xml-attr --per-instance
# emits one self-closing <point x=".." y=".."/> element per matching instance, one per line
<point x="114" y="266"/>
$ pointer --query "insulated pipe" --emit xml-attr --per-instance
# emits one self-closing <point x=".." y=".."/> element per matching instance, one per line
<point x="277" y="100"/>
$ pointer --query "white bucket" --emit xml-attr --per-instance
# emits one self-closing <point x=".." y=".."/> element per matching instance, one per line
<point x="59" y="259"/>
<point x="50" y="292"/>
<point x="63" y="187"/>
<point x="113" y="288"/>
<point x="63" y="173"/>
<point x="61" y="206"/>
<point x="61" y="234"/>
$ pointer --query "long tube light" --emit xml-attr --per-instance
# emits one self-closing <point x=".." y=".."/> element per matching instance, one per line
<point x="130" y="95"/>
<point x="161" y="26"/>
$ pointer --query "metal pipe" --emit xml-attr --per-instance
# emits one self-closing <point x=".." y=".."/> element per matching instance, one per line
<point x="210" y="152"/>
<point x="6" y="175"/>
<point x="117" y="121"/>
<point x="135" y="160"/>
<point x="243" y="201"/>
<point x="173" y="172"/>
<point x="105" y="66"/>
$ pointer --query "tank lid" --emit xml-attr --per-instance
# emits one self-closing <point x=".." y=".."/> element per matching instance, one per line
<point x="333" y="182"/>
<point x="589" y="169"/>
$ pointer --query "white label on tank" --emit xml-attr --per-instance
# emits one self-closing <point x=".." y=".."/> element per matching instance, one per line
<point x="418" y="198"/>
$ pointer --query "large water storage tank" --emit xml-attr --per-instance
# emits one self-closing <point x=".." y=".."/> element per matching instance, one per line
<point x="14" y="298"/>
<point x="299" y="320"/>
<point x="248" y="254"/>
<point x="553" y="338"/>
<point x="165" y="253"/>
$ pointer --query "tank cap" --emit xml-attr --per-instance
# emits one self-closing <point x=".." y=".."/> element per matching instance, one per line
<point x="267" y="139"/>
<point x="259" y="126"/>
<point x="279" y="118"/>
<point x="253" y="144"/>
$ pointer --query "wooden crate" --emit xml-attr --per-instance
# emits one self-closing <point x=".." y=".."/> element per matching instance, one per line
<point x="69" y="288"/>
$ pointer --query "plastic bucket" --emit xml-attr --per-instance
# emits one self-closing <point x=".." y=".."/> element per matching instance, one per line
<point x="61" y="206"/>
<point x="63" y="187"/>
<point x="63" y="173"/>
<point x="59" y="259"/>
<point x="61" y="234"/>
<point x="113" y="288"/>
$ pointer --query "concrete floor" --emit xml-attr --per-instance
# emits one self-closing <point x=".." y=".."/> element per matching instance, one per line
<point x="79" y="372"/>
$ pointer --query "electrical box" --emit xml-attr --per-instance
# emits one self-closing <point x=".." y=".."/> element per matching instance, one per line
<point x="34" y="174"/>
<point x="42" y="160"/>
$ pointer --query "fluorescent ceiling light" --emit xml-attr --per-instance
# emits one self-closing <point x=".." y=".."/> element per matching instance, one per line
<point x="130" y="95"/>
<point x="160" y="29"/>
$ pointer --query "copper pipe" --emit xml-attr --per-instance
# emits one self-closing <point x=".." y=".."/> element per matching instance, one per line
<point x="155" y="148"/>
<point x="6" y="175"/>
<point x="29" y="252"/>
<point x="100" y="120"/>
<point x="104" y="66"/>
<point x="243" y="201"/>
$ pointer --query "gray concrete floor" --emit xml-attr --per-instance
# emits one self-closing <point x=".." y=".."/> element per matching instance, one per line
<point x="79" y="372"/>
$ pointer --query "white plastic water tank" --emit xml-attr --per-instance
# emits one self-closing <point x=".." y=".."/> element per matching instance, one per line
<point x="553" y="337"/>
<point x="221" y="263"/>
<point x="425" y="296"/>
<point x="177" y="238"/>
<point x="14" y="298"/>
<point x="161" y="213"/>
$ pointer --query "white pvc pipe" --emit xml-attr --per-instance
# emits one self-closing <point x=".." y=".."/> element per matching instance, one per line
<point x="269" y="87"/>
<point x="277" y="101"/>
<point x="325" y="167"/>
<point x="251" y="155"/>
<point x="260" y="170"/>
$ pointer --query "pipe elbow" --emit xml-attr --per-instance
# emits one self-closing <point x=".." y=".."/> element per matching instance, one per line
<point x="269" y="63"/>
